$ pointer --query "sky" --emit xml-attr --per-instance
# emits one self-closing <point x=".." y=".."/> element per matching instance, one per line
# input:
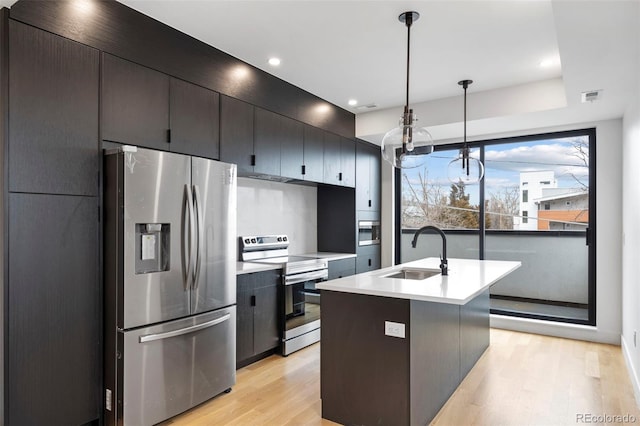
<point x="504" y="162"/>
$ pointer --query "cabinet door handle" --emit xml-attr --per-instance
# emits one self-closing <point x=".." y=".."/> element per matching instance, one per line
<point x="168" y="135"/>
<point x="253" y="160"/>
<point x="369" y="262"/>
<point x="369" y="203"/>
<point x="340" y="176"/>
<point x="304" y="169"/>
<point x="253" y="300"/>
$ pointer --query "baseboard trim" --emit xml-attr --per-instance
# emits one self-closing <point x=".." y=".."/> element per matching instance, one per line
<point x="556" y="329"/>
<point x="633" y="374"/>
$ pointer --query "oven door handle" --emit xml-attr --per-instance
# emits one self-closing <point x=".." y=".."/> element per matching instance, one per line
<point x="322" y="274"/>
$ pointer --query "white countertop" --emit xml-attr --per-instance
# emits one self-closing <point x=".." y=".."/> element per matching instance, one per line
<point x="467" y="279"/>
<point x="251" y="267"/>
<point x="330" y="256"/>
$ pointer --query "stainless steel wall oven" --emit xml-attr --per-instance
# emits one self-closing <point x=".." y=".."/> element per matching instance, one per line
<point x="368" y="232"/>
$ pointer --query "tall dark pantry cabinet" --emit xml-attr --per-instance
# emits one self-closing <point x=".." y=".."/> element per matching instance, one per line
<point x="50" y="284"/>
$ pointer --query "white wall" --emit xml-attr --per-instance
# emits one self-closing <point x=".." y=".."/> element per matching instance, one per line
<point x="631" y="242"/>
<point x="266" y="207"/>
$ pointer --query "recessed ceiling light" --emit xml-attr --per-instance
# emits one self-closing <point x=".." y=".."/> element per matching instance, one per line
<point x="546" y="63"/>
<point x="353" y="102"/>
<point x="274" y="61"/>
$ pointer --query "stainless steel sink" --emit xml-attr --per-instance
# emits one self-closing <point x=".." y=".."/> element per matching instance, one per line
<point x="413" y="274"/>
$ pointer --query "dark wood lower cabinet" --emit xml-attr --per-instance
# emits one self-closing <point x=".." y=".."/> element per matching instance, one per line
<point x="257" y="326"/>
<point x="244" y="317"/>
<point x="53" y="345"/>
<point x="369" y="377"/>
<point x="368" y="258"/>
<point x="474" y="332"/>
<point x="342" y="268"/>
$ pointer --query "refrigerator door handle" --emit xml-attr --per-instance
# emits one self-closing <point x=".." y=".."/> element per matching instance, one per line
<point x="188" y="249"/>
<point x="182" y="331"/>
<point x="197" y="201"/>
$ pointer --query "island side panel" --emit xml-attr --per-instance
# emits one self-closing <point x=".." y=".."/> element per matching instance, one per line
<point x="435" y="358"/>
<point x="364" y="373"/>
<point x="474" y="332"/>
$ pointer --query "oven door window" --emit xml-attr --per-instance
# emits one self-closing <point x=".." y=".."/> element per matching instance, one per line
<point x="302" y="304"/>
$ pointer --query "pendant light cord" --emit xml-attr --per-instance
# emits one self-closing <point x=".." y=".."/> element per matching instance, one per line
<point x="465" y="115"/>
<point x="409" y="22"/>
<point x="466" y="147"/>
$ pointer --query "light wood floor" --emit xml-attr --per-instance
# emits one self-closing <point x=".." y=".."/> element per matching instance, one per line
<point x="522" y="379"/>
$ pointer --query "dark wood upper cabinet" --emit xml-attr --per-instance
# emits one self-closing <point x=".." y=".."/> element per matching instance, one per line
<point x="116" y="28"/>
<point x="135" y="104"/>
<point x="332" y="159"/>
<point x="313" y="154"/>
<point x="291" y="148"/>
<point x="236" y="133"/>
<point x="53" y="347"/>
<point x="347" y="162"/>
<point x="367" y="177"/>
<point x="194" y="119"/>
<point x="339" y="160"/>
<point x="375" y="178"/>
<point x="53" y="120"/>
<point x="363" y="194"/>
<point x="268" y="131"/>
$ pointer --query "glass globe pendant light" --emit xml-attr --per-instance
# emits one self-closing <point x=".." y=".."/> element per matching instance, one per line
<point x="405" y="146"/>
<point x="465" y="168"/>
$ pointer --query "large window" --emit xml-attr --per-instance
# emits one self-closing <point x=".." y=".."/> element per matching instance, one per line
<point x="533" y="205"/>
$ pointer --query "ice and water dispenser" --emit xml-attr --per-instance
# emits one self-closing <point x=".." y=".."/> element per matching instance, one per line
<point x="152" y="247"/>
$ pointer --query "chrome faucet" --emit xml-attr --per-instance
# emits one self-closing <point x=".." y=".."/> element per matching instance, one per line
<point x="443" y="255"/>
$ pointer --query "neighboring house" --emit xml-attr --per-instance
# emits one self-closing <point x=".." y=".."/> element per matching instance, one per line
<point x="563" y="209"/>
<point x="532" y="185"/>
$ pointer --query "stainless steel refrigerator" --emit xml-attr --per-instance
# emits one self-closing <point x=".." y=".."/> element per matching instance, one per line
<point x="170" y="292"/>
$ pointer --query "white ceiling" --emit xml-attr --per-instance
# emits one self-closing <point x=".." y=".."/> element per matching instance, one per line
<point x="340" y="50"/>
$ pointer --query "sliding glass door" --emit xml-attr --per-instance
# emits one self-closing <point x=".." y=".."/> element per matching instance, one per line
<point x="538" y="198"/>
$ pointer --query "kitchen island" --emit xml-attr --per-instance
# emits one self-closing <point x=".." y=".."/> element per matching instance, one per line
<point x="397" y="342"/>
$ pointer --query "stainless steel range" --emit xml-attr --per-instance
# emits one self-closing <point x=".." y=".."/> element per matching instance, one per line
<point x="300" y="300"/>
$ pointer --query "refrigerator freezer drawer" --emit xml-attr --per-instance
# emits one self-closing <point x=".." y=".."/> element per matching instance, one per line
<point x="171" y="367"/>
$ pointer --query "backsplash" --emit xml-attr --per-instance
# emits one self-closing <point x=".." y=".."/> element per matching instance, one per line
<point x="266" y="207"/>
